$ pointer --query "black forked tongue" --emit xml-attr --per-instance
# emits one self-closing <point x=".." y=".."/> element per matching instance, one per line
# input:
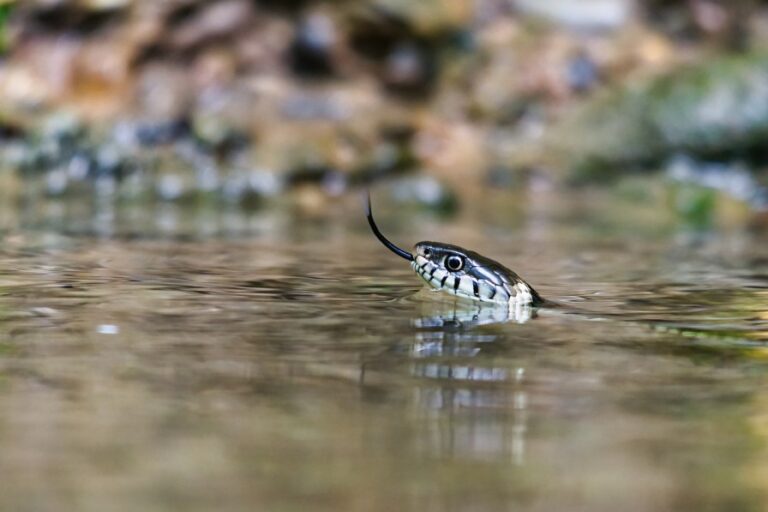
<point x="392" y="247"/>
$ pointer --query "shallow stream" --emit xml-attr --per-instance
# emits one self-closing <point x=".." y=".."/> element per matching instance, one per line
<point x="170" y="359"/>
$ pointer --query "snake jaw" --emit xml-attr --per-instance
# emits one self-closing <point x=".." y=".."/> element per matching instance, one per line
<point x="463" y="285"/>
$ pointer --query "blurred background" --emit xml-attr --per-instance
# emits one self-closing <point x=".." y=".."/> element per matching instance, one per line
<point x="233" y="103"/>
<point x="194" y="314"/>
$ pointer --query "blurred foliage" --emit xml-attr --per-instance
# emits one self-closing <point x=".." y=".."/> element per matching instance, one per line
<point x="6" y="7"/>
<point x="717" y="109"/>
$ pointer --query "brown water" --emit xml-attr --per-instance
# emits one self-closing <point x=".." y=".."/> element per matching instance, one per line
<point x="170" y="360"/>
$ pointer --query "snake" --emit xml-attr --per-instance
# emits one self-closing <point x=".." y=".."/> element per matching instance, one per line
<point x="462" y="272"/>
<point x="466" y="274"/>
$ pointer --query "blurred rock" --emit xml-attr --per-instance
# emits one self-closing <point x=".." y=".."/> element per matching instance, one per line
<point x="56" y="182"/>
<point x="171" y="186"/>
<point x="51" y="61"/>
<point x="214" y="20"/>
<point x="445" y="147"/>
<point x="425" y="17"/>
<point x="409" y="70"/>
<point x="312" y="105"/>
<point x="215" y="134"/>
<point x="214" y="67"/>
<point x="581" y="73"/>
<point x="718" y="108"/>
<point x="161" y="132"/>
<point x="722" y="22"/>
<point x="404" y="39"/>
<point x="171" y="177"/>
<point x="261" y="182"/>
<point x="163" y="92"/>
<point x="62" y="128"/>
<point x="584" y="14"/>
<point x="426" y="192"/>
<point x="314" y="45"/>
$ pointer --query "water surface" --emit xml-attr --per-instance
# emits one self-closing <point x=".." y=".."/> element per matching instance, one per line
<point x="163" y="360"/>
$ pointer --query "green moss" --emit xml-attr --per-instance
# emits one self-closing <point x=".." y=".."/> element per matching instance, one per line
<point x="5" y="13"/>
<point x="718" y="108"/>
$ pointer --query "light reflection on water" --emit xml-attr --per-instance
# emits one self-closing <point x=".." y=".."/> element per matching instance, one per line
<point x="300" y="368"/>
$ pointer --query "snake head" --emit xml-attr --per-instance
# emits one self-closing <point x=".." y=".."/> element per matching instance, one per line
<point x="460" y="272"/>
<point x="465" y="273"/>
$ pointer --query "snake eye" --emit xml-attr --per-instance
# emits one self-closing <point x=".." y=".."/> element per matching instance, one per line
<point x="427" y="252"/>
<point x="454" y="263"/>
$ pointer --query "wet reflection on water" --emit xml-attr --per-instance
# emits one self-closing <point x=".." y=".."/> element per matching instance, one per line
<point x="301" y="367"/>
<point x="443" y="349"/>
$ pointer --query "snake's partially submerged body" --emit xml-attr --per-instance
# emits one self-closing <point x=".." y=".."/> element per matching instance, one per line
<point x="463" y="273"/>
